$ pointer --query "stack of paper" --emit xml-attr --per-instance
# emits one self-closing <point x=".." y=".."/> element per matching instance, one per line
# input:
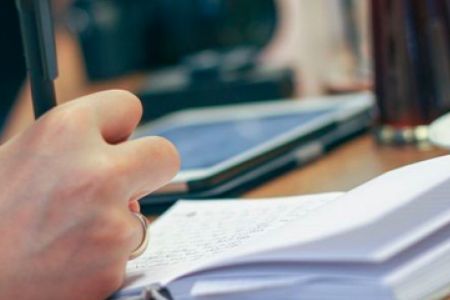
<point x="387" y="239"/>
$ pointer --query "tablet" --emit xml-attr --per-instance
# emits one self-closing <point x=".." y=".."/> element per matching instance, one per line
<point x="225" y="148"/>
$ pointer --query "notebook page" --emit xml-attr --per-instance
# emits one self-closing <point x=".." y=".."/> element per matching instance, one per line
<point x="372" y="222"/>
<point x="193" y="231"/>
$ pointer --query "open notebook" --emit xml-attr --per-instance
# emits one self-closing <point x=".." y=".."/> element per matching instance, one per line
<point x="387" y="239"/>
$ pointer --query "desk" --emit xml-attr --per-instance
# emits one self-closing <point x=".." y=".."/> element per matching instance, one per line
<point x="344" y="168"/>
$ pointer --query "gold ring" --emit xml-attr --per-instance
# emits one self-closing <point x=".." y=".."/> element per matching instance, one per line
<point x="144" y="244"/>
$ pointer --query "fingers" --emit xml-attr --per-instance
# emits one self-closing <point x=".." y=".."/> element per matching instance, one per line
<point x="130" y="232"/>
<point x="144" y="165"/>
<point x="121" y="230"/>
<point x="117" y="114"/>
<point x="147" y="164"/>
<point x="134" y="206"/>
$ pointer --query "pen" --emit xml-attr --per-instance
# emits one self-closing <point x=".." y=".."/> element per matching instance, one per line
<point x="40" y="51"/>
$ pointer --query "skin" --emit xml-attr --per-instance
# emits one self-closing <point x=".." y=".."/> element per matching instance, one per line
<point x="69" y="185"/>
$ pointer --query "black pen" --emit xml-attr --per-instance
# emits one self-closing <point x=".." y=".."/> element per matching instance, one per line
<point x="38" y="37"/>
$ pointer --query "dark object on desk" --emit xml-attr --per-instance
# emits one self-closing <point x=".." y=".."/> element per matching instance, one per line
<point x="204" y="51"/>
<point x="214" y="78"/>
<point x="226" y="149"/>
<point x="119" y="36"/>
<point x="38" y="37"/>
<point x="12" y="71"/>
<point x="412" y="62"/>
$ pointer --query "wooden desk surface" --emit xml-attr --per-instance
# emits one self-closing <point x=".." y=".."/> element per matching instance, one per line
<point x="344" y="168"/>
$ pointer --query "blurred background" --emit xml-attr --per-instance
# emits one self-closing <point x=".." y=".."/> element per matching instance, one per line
<point x="179" y="54"/>
<point x="325" y="43"/>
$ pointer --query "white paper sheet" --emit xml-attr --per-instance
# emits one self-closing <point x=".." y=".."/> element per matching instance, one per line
<point x="194" y="231"/>
<point x="373" y="222"/>
<point x="383" y="218"/>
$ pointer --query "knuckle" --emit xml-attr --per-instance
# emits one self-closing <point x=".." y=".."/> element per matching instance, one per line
<point x="93" y="181"/>
<point x="107" y="171"/>
<point x="102" y="167"/>
<point x="115" y="167"/>
<point x="67" y="119"/>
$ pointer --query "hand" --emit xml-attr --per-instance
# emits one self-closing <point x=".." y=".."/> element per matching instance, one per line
<point x="66" y="230"/>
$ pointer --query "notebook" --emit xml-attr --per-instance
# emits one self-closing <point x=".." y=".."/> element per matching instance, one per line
<point x="386" y="239"/>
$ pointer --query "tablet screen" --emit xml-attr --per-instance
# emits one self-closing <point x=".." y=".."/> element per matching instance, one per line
<point x="204" y="145"/>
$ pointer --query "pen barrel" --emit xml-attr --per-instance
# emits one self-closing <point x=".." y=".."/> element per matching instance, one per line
<point x="43" y="96"/>
<point x="41" y="80"/>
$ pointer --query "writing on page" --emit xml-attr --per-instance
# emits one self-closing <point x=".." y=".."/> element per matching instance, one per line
<point x="192" y="230"/>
